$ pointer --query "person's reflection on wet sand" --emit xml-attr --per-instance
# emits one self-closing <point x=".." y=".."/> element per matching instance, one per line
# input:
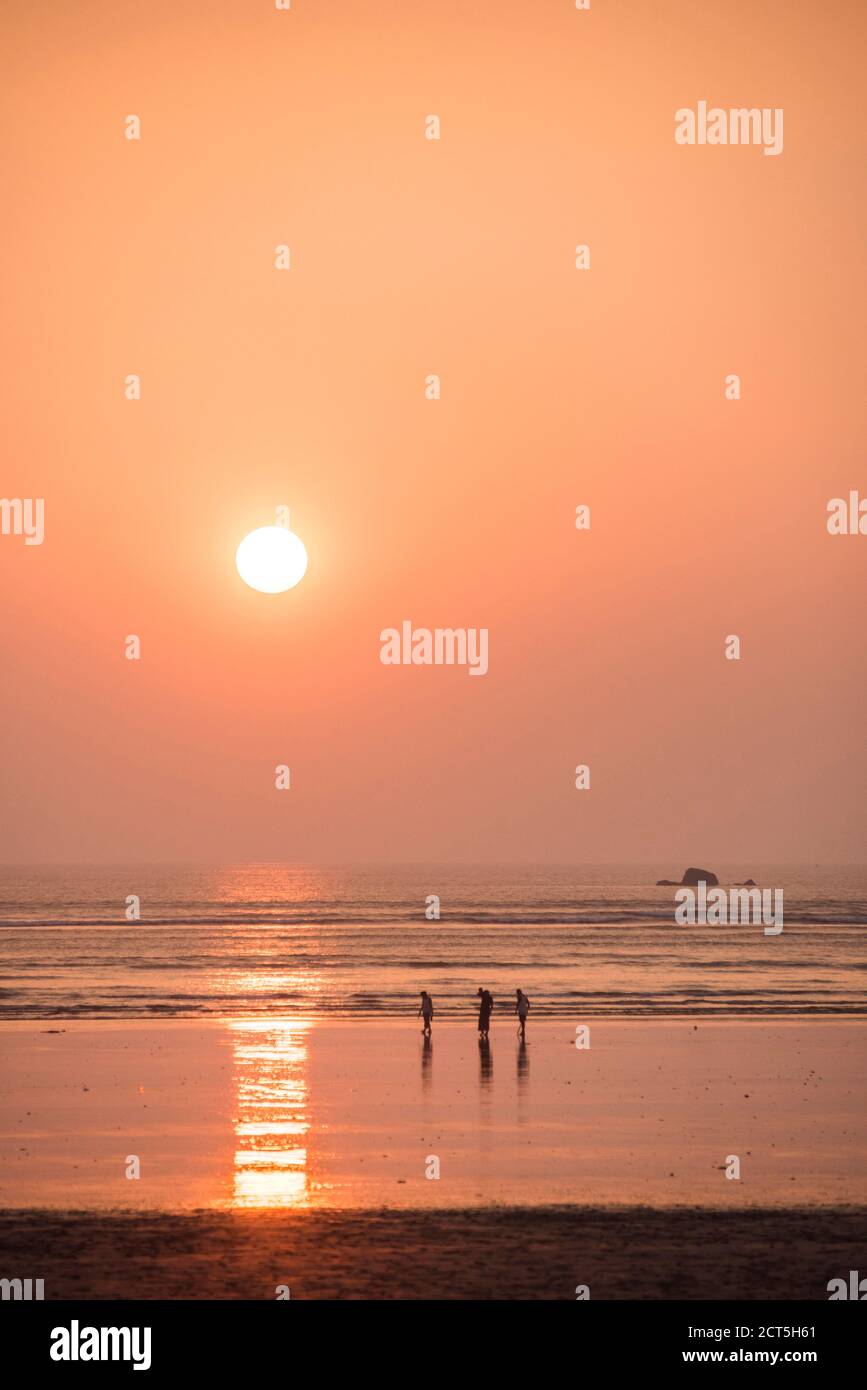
<point x="486" y="1061"/>
<point x="426" y="1061"/>
<point x="523" y="1065"/>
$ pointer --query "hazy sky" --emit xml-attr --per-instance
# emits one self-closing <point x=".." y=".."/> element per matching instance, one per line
<point x="411" y="256"/>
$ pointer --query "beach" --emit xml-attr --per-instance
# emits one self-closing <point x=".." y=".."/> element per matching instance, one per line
<point x="482" y="1253"/>
<point x="252" y="1113"/>
<point x="385" y="1167"/>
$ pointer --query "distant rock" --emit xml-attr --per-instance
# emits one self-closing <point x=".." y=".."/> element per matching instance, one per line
<point x="690" y="879"/>
<point x="747" y="883"/>
<point x="694" y="876"/>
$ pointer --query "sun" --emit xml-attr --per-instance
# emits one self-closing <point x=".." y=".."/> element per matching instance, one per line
<point x="272" y="559"/>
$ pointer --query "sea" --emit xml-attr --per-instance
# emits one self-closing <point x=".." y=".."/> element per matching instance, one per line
<point x="289" y="941"/>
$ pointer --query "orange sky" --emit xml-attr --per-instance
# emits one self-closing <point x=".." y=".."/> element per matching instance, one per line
<point x="559" y="387"/>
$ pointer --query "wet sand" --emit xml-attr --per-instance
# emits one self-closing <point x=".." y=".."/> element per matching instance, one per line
<point x="350" y="1115"/>
<point x="351" y="1160"/>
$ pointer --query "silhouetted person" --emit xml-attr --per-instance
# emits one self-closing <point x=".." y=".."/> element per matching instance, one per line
<point x="485" y="1006"/>
<point x="522" y="1008"/>
<point x="426" y="1011"/>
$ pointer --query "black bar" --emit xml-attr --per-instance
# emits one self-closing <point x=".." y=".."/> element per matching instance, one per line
<point x="285" y="1336"/>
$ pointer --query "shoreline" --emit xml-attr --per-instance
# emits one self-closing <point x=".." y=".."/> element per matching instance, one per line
<point x="406" y="1023"/>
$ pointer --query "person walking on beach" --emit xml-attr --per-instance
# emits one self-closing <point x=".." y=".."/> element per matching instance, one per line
<point x="486" y="1004"/>
<point x="522" y="1008"/>
<point x="426" y="1012"/>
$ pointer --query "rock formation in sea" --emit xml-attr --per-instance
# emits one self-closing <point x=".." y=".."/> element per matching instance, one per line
<point x="690" y="879"/>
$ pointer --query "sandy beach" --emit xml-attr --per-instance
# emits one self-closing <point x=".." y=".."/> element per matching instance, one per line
<point x="337" y="1114"/>
<point x="487" y="1253"/>
<point x="299" y="1153"/>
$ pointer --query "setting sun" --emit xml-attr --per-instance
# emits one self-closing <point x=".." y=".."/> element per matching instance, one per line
<point x="271" y="559"/>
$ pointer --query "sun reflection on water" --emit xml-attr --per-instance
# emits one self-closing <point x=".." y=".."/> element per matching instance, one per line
<point x="272" y="1113"/>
